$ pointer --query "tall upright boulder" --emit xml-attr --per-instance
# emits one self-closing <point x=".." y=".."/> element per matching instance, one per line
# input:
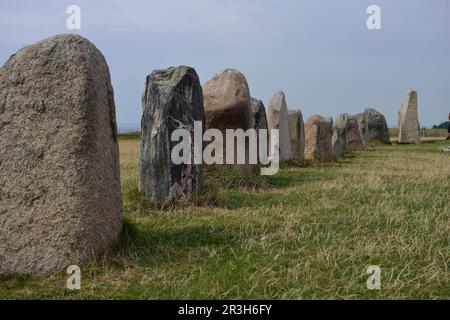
<point x="339" y="139"/>
<point x="373" y="126"/>
<point x="408" y="119"/>
<point x="60" y="198"/>
<point x="318" y="136"/>
<point x="278" y="119"/>
<point x="297" y="134"/>
<point x="227" y="104"/>
<point x="172" y="99"/>
<point x="355" y="141"/>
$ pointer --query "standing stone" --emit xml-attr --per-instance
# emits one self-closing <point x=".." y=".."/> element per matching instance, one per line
<point x="408" y="120"/>
<point x="228" y="106"/>
<point x="259" y="119"/>
<point x="355" y="140"/>
<point x="339" y="140"/>
<point x="318" y="133"/>
<point x="297" y="134"/>
<point x="278" y="119"/>
<point x="60" y="198"/>
<point x="172" y="99"/>
<point x="373" y="126"/>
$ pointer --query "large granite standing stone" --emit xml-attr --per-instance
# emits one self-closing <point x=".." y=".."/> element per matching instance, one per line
<point x="172" y="99"/>
<point x="318" y="136"/>
<point x="355" y="141"/>
<point x="408" y="120"/>
<point x="278" y="119"/>
<point x="227" y="101"/>
<point x="373" y="126"/>
<point x="339" y="140"/>
<point x="228" y="106"/>
<point x="297" y="134"/>
<point x="60" y="199"/>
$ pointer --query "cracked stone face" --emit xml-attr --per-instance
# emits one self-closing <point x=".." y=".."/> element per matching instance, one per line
<point x="60" y="199"/>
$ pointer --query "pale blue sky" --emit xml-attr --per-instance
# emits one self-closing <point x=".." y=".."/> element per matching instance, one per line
<point x="319" y="52"/>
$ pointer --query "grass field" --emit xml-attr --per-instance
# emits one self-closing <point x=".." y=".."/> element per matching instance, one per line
<point x="306" y="233"/>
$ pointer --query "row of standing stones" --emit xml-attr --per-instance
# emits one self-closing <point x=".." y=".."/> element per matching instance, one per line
<point x="60" y="194"/>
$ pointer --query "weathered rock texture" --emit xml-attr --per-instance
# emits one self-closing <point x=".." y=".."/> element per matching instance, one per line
<point x="355" y="140"/>
<point x="318" y="134"/>
<point x="373" y="126"/>
<point x="339" y="140"/>
<point x="278" y="119"/>
<point x="408" y="120"/>
<point x="172" y="99"/>
<point x="297" y="134"/>
<point x="60" y="200"/>
<point x="227" y="101"/>
<point x="228" y="106"/>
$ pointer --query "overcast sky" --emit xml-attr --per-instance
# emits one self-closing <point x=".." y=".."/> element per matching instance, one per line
<point x="319" y="52"/>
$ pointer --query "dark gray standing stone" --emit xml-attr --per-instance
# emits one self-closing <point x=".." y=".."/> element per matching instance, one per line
<point x="259" y="120"/>
<point x="373" y="126"/>
<point x="339" y="140"/>
<point x="172" y="99"/>
<point x="60" y="198"/>
<point x="259" y="114"/>
<point x="297" y="134"/>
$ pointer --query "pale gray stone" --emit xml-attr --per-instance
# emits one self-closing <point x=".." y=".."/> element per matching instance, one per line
<point x="339" y="140"/>
<point x="408" y="120"/>
<point x="60" y="197"/>
<point x="172" y="100"/>
<point x="278" y="119"/>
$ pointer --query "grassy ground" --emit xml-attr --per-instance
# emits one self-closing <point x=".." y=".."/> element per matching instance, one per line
<point x="307" y="233"/>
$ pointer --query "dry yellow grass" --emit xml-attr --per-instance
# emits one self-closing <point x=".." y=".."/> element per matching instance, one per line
<point x="309" y="233"/>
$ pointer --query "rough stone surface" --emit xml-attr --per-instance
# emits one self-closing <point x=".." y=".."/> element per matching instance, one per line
<point x="172" y="99"/>
<point x="228" y="106"/>
<point x="297" y="134"/>
<point x="373" y="126"/>
<point x="259" y="119"/>
<point x="355" y="140"/>
<point x="227" y="101"/>
<point x="278" y="119"/>
<point x="339" y="140"/>
<point x="60" y="198"/>
<point x="318" y="134"/>
<point x="408" y="120"/>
